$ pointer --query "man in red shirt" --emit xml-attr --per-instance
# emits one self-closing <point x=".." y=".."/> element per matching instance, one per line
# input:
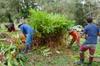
<point x="75" y="37"/>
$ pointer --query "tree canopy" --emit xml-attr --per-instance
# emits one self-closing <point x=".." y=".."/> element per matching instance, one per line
<point x="77" y="9"/>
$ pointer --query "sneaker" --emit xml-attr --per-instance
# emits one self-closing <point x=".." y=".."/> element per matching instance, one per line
<point x="89" y="64"/>
<point x="79" y="63"/>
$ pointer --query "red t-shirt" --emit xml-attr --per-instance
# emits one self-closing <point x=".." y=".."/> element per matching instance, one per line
<point x="75" y="36"/>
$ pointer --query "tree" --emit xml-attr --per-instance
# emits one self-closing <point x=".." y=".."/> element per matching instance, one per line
<point x="85" y="8"/>
<point x="66" y="7"/>
<point x="11" y="8"/>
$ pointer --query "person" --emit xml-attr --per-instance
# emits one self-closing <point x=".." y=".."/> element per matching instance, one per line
<point x="10" y="27"/>
<point x="91" y="31"/>
<point x="28" y="33"/>
<point x="75" y="37"/>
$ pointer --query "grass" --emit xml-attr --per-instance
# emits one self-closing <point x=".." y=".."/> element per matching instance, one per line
<point x="98" y="50"/>
<point x="65" y="58"/>
<point x="54" y="59"/>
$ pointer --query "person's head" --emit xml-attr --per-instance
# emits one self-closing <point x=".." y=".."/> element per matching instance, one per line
<point x="8" y="28"/>
<point x="89" y="19"/>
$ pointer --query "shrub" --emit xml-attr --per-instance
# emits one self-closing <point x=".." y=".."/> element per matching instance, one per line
<point x="51" y="27"/>
<point x="49" y="23"/>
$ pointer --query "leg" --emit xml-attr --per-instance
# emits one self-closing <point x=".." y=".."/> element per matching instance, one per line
<point x="91" y="52"/>
<point x="78" y="41"/>
<point x="83" y="48"/>
<point x="29" y="39"/>
<point x="26" y="49"/>
<point x="71" y="43"/>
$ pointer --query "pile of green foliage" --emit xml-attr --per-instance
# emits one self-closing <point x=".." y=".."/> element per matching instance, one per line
<point x="50" y="26"/>
<point x="10" y="56"/>
<point x="49" y="23"/>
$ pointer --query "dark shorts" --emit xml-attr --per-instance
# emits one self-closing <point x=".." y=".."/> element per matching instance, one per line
<point x="90" y="47"/>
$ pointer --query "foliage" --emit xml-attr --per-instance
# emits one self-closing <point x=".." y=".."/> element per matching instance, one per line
<point x="49" y="23"/>
<point x="10" y="56"/>
<point x="7" y="7"/>
<point x="77" y="9"/>
<point x="41" y="57"/>
<point x="97" y="50"/>
<point x="83" y="10"/>
<point x="66" y="7"/>
<point x="15" y="8"/>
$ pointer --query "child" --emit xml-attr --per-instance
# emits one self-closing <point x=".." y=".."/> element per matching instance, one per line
<point x="75" y="37"/>
<point x="91" y="32"/>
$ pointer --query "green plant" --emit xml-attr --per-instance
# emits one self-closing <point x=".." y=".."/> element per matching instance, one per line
<point x="11" y="55"/>
<point x="49" y="23"/>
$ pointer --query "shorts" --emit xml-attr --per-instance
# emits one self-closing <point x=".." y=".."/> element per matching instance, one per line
<point x="90" y="47"/>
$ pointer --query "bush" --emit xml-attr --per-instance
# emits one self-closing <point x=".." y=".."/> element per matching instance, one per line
<point x="51" y="26"/>
<point x="49" y="23"/>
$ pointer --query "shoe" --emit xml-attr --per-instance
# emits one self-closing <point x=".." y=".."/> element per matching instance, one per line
<point x="79" y="63"/>
<point x="89" y="64"/>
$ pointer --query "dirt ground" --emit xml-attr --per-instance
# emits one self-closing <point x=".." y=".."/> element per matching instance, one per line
<point x="62" y="56"/>
<point x="58" y="57"/>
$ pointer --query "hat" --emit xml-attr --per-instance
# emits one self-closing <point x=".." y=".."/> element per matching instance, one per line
<point x="20" y="24"/>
